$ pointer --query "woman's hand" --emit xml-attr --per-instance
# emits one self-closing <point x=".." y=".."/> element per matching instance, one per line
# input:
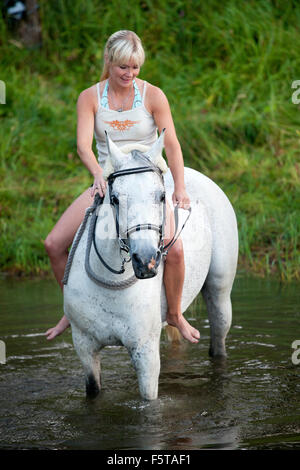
<point x="181" y="198"/>
<point x="99" y="186"/>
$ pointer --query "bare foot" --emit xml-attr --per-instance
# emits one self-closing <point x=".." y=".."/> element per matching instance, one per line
<point x="57" y="330"/>
<point x="186" y="330"/>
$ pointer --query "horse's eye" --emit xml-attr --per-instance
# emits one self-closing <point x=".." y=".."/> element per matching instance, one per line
<point x="163" y="197"/>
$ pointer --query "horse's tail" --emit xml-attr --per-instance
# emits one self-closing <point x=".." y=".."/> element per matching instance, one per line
<point x="173" y="334"/>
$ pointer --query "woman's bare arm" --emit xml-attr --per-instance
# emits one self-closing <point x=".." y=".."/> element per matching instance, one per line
<point x="85" y="134"/>
<point x="161" y="112"/>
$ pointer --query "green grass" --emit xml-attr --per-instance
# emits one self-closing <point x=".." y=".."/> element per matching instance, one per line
<point x="227" y="69"/>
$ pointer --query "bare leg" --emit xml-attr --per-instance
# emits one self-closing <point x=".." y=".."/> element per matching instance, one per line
<point x="173" y="280"/>
<point x="57" y="244"/>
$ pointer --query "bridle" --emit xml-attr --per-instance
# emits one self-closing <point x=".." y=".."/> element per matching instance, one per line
<point x="123" y="238"/>
<point x="162" y="249"/>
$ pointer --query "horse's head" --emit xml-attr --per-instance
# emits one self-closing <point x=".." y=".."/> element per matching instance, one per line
<point x="136" y="190"/>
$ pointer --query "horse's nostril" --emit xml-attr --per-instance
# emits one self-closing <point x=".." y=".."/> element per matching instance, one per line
<point x="143" y="267"/>
<point x="136" y="258"/>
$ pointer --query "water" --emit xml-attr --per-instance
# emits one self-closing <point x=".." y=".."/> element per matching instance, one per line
<point x="251" y="401"/>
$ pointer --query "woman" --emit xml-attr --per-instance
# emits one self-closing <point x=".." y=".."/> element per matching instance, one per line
<point x="130" y="110"/>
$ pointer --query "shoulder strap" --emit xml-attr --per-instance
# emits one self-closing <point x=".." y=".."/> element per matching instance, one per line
<point x="98" y="93"/>
<point x="144" y="91"/>
<point x="103" y="100"/>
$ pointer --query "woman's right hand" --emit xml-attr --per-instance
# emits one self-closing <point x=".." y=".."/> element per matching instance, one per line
<point x="99" y="186"/>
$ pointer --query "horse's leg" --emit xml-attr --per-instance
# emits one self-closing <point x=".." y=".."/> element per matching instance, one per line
<point x="146" y="361"/>
<point x="218" y="284"/>
<point x="88" y="352"/>
<point x="218" y="304"/>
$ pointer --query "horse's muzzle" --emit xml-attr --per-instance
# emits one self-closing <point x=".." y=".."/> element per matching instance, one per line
<point x="145" y="268"/>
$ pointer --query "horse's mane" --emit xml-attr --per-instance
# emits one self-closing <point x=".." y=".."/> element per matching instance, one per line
<point x="108" y="168"/>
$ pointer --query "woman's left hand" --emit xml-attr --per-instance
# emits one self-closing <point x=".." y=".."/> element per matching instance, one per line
<point x="181" y="198"/>
<point x="99" y="186"/>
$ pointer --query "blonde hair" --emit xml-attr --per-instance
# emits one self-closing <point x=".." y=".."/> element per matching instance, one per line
<point x="121" y="47"/>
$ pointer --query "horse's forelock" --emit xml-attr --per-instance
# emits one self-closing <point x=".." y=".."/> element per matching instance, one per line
<point x="134" y="149"/>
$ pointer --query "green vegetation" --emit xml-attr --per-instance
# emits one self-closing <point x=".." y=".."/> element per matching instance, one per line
<point x="227" y="69"/>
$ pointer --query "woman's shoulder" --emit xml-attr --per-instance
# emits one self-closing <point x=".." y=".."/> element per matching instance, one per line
<point x="155" y="97"/>
<point x="154" y="91"/>
<point x="151" y="90"/>
<point x="89" y="96"/>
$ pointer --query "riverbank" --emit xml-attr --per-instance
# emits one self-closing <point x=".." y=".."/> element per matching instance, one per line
<point x="227" y="73"/>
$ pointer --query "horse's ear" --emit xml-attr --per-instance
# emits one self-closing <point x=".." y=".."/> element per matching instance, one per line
<point x="156" y="150"/>
<point x="115" y="155"/>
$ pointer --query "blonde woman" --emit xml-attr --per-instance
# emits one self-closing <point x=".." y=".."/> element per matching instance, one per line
<point x="130" y="110"/>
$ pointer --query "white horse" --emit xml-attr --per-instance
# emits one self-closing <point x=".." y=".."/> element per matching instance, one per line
<point x="116" y="310"/>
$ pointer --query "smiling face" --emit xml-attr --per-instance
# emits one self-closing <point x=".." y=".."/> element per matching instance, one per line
<point x="123" y="53"/>
<point x="122" y="75"/>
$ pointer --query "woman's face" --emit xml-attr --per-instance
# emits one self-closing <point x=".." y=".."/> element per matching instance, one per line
<point x="123" y="74"/>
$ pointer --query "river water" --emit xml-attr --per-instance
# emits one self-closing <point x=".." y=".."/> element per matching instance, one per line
<point x="250" y="401"/>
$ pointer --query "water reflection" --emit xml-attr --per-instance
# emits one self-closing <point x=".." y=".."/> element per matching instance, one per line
<point x="250" y="400"/>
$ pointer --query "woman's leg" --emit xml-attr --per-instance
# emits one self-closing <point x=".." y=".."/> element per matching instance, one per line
<point x="58" y="242"/>
<point x="173" y="280"/>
